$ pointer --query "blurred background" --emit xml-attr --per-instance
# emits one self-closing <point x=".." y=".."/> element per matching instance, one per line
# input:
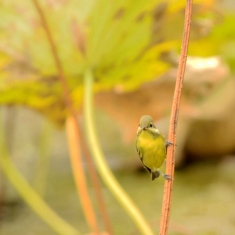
<point x="133" y="49"/>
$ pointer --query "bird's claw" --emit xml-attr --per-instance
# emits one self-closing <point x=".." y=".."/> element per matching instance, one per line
<point x="168" y="143"/>
<point x="167" y="177"/>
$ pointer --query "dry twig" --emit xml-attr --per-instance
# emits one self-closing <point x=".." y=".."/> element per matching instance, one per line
<point x="72" y="127"/>
<point x="170" y="165"/>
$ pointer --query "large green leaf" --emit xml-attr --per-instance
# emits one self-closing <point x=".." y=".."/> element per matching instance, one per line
<point x="122" y="41"/>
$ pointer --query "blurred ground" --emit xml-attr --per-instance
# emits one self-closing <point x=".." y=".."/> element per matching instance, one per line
<point x="202" y="202"/>
<point x="202" y="198"/>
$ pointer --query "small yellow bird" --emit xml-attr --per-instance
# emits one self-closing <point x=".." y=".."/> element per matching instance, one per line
<point x="151" y="147"/>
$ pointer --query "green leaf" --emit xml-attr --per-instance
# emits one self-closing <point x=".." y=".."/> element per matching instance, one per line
<point x="121" y="41"/>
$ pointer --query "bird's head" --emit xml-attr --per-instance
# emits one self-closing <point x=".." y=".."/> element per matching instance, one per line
<point x="147" y="126"/>
<point x="146" y="123"/>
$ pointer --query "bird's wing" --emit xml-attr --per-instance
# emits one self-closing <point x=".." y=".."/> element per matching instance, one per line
<point x="138" y="151"/>
<point x="149" y="170"/>
<point x="141" y="158"/>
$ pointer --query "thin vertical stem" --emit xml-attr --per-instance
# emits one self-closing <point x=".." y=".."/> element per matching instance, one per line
<point x="97" y="188"/>
<point x="170" y="165"/>
<point x="80" y="180"/>
<point x="101" y="163"/>
<point x="75" y="133"/>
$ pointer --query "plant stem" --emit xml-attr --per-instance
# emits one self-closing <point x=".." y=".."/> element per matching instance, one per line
<point x="34" y="201"/>
<point x="95" y="179"/>
<point x="73" y="134"/>
<point x="170" y="165"/>
<point x="101" y="163"/>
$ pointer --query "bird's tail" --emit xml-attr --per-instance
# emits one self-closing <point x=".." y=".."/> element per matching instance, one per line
<point x="155" y="175"/>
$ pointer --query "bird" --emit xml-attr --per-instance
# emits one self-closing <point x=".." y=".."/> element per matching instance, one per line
<point x="151" y="147"/>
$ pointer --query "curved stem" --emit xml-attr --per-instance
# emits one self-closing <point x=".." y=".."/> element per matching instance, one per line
<point x="96" y="184"/>
<point x="170" y="164"/>
<point x="101" y="163"/>
<point x="73" y="139"/>
<point x="73" y="134"/>
<point x="34" y="201"/>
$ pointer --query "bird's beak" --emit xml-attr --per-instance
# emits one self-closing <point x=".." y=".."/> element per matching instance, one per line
<point x="143" y="128"/>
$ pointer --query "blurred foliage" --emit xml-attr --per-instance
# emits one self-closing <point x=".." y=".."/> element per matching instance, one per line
<point x="220" y="41"/>
<point x="125" y="43"/>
